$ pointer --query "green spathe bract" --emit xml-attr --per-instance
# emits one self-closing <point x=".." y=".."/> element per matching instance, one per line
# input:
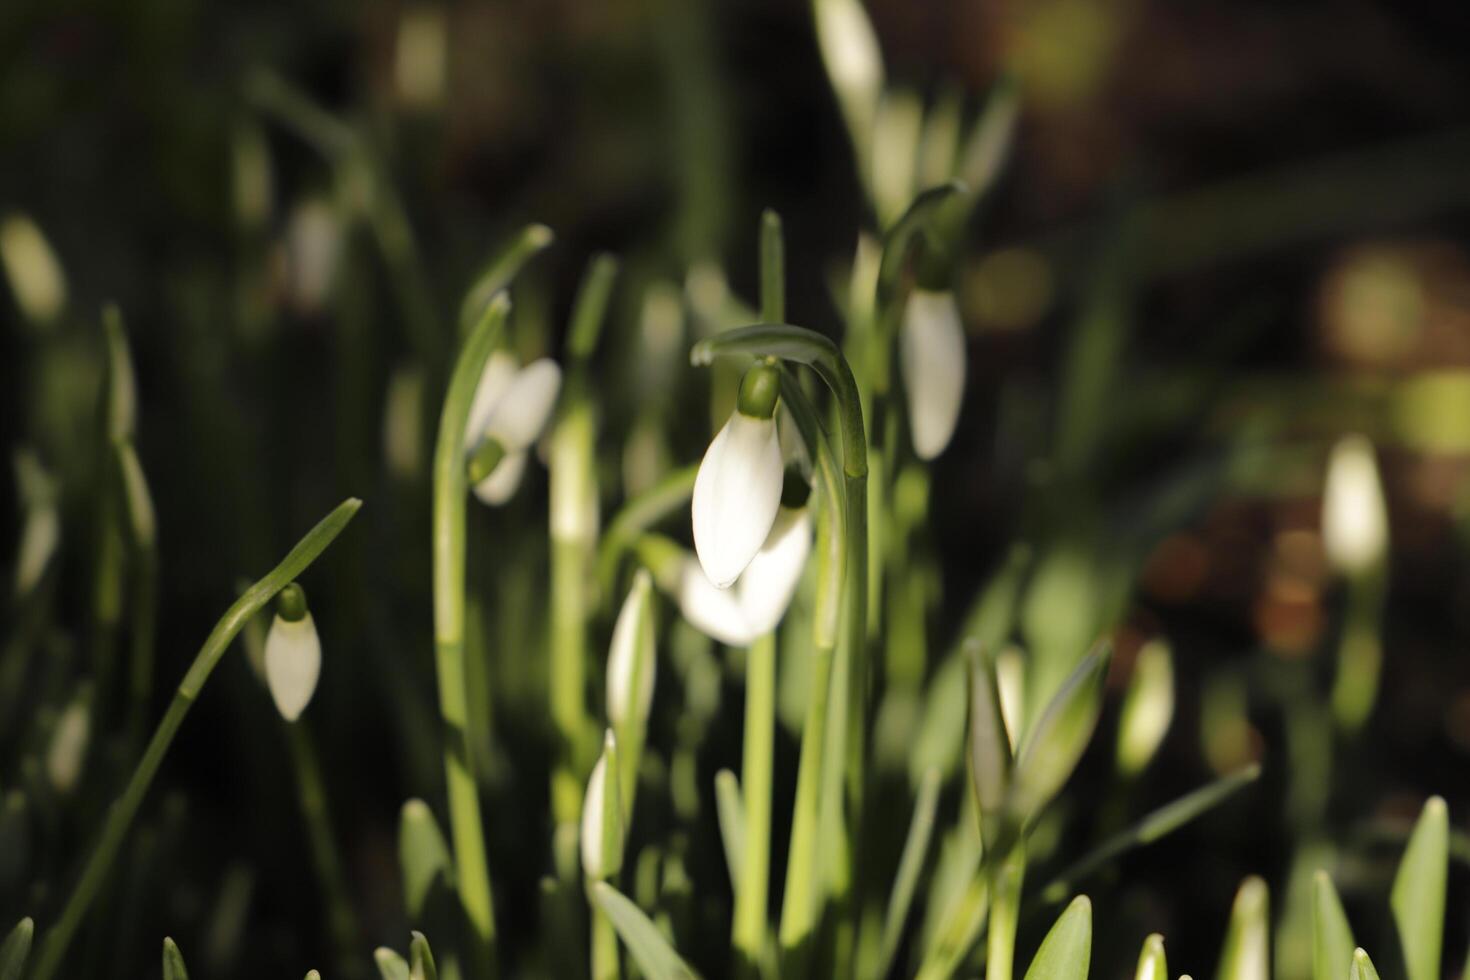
<point x="1066" y="952"/>
<point x="1332" y="937"/>
<point x="1418" y="897"/>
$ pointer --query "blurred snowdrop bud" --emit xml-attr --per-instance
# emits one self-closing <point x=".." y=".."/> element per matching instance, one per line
<point x="35" y="276"/>
<point x="738" y="489"/>
<point x="313" y="248"/>
<point x="853" y="60"/>
<point x="1148" y="708"/>
<point x="990" y="746"/>
<point x="511" y="408"/>
<point x="896" y="132"/>
<point x="403" y="445"/>
<point x="40" y="532"/>
<point x="1010" y="678"/>
<point x="632" y="662"/>
<point x="932" y="348"/>
<point x="68" y="746"/>
<point x="251" y="175"/>
<point x="1354" y="516"/>
<point x="770" y="580"/>
<point x="602" y="819"/>
<point x="1246" y="953"/>
<point x="421" y="59"/>
<point x="423" y="854"/>
<point x="293" y="654"/>
<point x="1151" y="962"/>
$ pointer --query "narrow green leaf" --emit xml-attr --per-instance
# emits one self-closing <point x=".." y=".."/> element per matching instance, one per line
<point x="910" y="864"/>
<point x="730" y="809"/>
<point x="1418" y="896"/>
<point x="590" y="307"/>
<point x="500" y="270"/>
<point x="650" y="950"/>
<point x="1151" y="962"/>
<point x="1055" y="745"/>
<point x="1332" y="949"/>
<point x="1246" y="954"/>
<point x="173" y="961"/>
<point x="1066" y="952"/>
<point x="390" y="965"/>
<point x="989" y="746"/>
<point x="1160" y="823"/>
<point x="1362" y="968"/>
<point x="421" y="959"/>
<point x="423" y="855"/>
<point x="16" y="948"/>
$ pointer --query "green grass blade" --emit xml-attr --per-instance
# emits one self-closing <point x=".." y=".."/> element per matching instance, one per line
<point x="1066" y="952"/>
<point x="1332" y="936"/>
<point x="1160" y="823"/>
<point x="16" y="948"/>
<point x="910" y="864"/>
<point x="421" y="959"/>
<point x="423" y="855"/>
<point x="1418" y="896"/>
<point x="1152" y="964"/>
<point x="173" y="961"/>
<point x="1054" y="747"/>
<point x="1246" y="954"/>
<point x="391" y="966"/>
<point x="1362" y="968"/>
<point x="730" y="809"/>
<point x="650" y="950"/>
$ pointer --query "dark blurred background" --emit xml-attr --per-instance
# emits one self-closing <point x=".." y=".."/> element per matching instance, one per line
<point x="1286" y="187"/>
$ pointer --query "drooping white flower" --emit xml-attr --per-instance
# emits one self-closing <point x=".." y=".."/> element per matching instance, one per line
<point x="602" y="820"/>
<point x="1354" y="516"/>
<point x="293" y="662"/>
<point x="932" y="351"/>
<point x="736" y="496"/>
<point x="755" y="604"/>
<point x="35" y="276"/>
<point x="766" y="586"/>
<point x="512" y="406"/>
<point x="631" y="660"/>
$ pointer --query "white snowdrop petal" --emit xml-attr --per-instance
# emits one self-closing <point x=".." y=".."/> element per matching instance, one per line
<point x="35" y="276"/>
<point x="932" y="348"/>
<point x="713" y="611"/>
<point x="632" y="641"/>
<point x="768" y="583"/>
<point x="1354" y="516"/>
<point x="523" y="412"/>
<point x="503" y="481"/>
<point x="736" y="495"/>
<point x="849" y="48"/>
<point x="495" y="380"/>
<point x="39" y="537"/>
<point x="293" y="662"/>
<point x="68" y="747"/>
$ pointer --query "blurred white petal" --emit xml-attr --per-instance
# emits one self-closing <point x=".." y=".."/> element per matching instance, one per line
<point x="713" y="611"/>
<point x="293" y="662"/>
<point x="768" y="583"/>
<point x="1354" y="516"/>
<point x="932" y="348"/>
<point x="503" y="481"/>
<point x="495" y="379"/>
<point x="526" y="407"/>
<point x="736" y="495"/>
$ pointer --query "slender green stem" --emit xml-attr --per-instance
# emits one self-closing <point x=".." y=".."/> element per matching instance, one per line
<point x="799" y="901"/>
<point x="312" y="794"/>
<point x="604" y="947"/>
<point x="121" y="815"/>
<point x="472" y="873"/>
<point x="753" y="891"/>
<point x="773" y="275"/>
<point x="1005" y="908"/>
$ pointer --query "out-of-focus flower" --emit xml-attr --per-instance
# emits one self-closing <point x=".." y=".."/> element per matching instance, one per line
<point x="31" y="267"/>
<point x="512" y="407"/>
<point x="1354" y="516"/>
<point x="932" y="349"/>
<point x="293" y="654"/>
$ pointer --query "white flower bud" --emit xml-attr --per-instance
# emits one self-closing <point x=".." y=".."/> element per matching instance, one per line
<point x="736" y="496"/>
<point x="932" y="351"/>
<point x="1354" y="516"/>
<point x="850" y="51"/>
<point x="68" y="746"/>
<point x="293" y="662"/>
<point x="602" y="820"/>
<point x="632" y="660"/>
<point x="1148" y="707"/>
<point x="35" y="276"/>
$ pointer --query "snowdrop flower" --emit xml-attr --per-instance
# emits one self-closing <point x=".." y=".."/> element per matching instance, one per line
<point x="602" y="819"/>
<point x="35" y="275"/>
<point x="293" y="654"/>
<point x="511" y="407"/>
<point x="68" y="747"/>
<point x="631" y="663"/>
<point x="758" y="599"/>
<point x="1354" y="517"/>
<point x="738" y="489"/>
<point x="932" y="350"/>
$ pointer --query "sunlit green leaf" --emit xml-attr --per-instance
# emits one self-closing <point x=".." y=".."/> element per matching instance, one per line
<point x="1333" y="938"/>
<point x="15" y="949"/>
<point x="1418" y="896"/>
<point x="1066" y="952"/>
<point x="173" y="962"/>
<point x="652" y="952"/>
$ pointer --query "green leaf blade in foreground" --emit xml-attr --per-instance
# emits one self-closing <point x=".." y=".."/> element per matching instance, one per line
<point x="391" y="966"/>
<point x="1332" y="937"/>
<point x="423" y="855"/>
<point x="1247" y="951"/>
<point x="1054" y="747"/>
<point x="650" y="950"/>
<point x="421" y="959"/>
<point x="1066" y="952"/>
<point x="16" y="948"/>
<point x="1418" y="896"/>
<point x="1151" y="962"/>
<point x="173" y="961"/>
<point x="1362" y="968"/>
